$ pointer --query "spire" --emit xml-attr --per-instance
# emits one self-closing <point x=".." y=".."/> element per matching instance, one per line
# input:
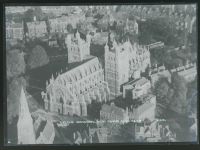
<point x="106" y="46"/>
<point x="52" y="77"/>
<point x="25" y="130"/>
<point x="88" y="38"/>
<point x="114" y="43"/>
<point x="77" y="34"/>
<point x="47" y="83"/>
<point x="24" y="109"/>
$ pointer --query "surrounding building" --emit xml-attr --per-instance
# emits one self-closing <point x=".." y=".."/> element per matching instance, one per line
<point x="98" y="135"/>
<point x="131" y="26"/>
<point x="16" y="9"/>
<point x="14" y="31"/>
<point x="61" y="10"/>
<point x="53" y="42"/>
<point x="123" y="61"/>
<point x="71" y="91"/>
<point x="157" y="73"/>
<point x="112" y="113"/>
<point x="149" y="133"/>
<point x="36" y="29"/>
<point x="143" y="108"/>
<point x="77" y="137"/>
<point x="155" y="45"/>
<point x="59" y="24"/>
<point x="45" y="132"/>
<point x="153" y="132"/>
<point x="57" y="10"/>
<point x="77" y="47"/>
<point x="188" y="72"/>
<point x="136" y="87"/>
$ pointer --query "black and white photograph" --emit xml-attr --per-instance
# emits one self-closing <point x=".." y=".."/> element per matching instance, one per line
<point x="88" y="74"/>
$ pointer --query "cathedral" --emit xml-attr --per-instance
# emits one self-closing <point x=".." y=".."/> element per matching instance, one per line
<point x="77" y="47"/>
<point x="70" y="92"/>
<point x="122" y="62"/>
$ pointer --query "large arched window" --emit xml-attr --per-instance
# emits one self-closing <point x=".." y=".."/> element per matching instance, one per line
<point x="62" y="105"/>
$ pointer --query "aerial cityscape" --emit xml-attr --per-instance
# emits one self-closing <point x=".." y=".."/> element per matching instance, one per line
<point x="101" y="74"/>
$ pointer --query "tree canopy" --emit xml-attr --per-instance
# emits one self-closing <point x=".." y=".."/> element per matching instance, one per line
<point x="15" y="63"/>
<point x="179" y="102"/>
<point x="14" y="90"/>
<point x="38" y="57"/>
<point x="13" y="93"/>
<point x="30" y="13"/>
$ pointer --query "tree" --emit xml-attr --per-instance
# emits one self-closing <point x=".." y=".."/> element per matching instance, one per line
<point x="48" y="25"/>
<point x="179" y="103"/>
<point x="38" y="57"/>
<point x="13" y="96"/>
<point x="15" y="63"/>
<point x="14" y="90"/>
<point x="70" y="28"/>
<point x="89" y="13"/>
<point x="28" y="15"/>
<point x="39" y="14"/>
<point x="161" y="89"/>
<point x="127" y="132"/>
<point x="103" y="23"/>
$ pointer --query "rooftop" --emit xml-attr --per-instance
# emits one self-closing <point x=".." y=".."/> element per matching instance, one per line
<point x="77" y="71"/>
<point x="14" y="25"/>
<point x="142" y="100"/>
<point x="137" y="82"/>
<point x="48" y="130"/>
<point x="112" y="109"/>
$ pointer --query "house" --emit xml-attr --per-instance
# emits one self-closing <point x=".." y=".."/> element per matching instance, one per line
<point x="45" y="133"/>
<point x="153" y="132"/>
<point x="157" y="73"/>
<point x="59" y="24"/>
<point x="14" y="31"/>
<point x="136" y="87"/>
<point x="188" y="72"/>
<point x="112" y="113"/>
<point x="142" y="108"/>
<point x="36" y="29"/>
<point x="98" y="135"/>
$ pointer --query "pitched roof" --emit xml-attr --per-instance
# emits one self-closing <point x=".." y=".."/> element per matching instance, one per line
<point x="113" y="110"/>
<point x="48" y="130"/>
<point x="137" y="82"/>
<point x="89" y="65"/>
<point x="40" y="128"/>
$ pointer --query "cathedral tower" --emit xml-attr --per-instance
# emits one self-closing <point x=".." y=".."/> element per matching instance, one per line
<point x="25" y="130"/>
<point x="77" y="47"/>
<point x="116" y="66"/>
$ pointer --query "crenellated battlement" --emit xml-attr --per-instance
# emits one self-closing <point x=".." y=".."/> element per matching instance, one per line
<point x="186" y="67"/>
